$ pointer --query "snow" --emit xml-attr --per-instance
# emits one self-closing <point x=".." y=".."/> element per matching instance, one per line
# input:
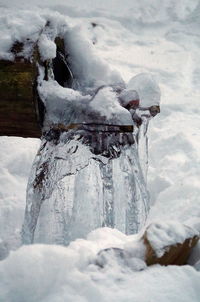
<point x="49" y="90"/>
<point x="17" y="27"/>
<point x="147" y="89"/>
<point x="17" y="155"/>
<point x="27" y="26"/>
<point x="128" y="95"/>
<point x="47" y="48"/>
<point x="89" y="69"/>
<point x="68" y="106"/>
<point x="107" y="104"/>
<point x="55" y="273"/>
<point x="59" y="103"/>
<point x="132" y="37"/>
<point x="43" y="26"/>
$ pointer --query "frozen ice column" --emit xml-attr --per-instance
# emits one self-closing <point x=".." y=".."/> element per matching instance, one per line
<point x="87" y="173"/>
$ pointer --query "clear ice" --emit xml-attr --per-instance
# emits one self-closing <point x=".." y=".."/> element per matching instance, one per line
<point x="85" y="177"/>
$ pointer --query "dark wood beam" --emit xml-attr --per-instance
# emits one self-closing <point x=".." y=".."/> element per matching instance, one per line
<point x="18" y="99"/>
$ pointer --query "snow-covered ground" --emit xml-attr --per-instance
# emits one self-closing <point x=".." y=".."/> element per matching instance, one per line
<point x="132" y="37"/>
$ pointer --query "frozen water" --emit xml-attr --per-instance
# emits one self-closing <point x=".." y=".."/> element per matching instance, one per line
<point x="84" y="179"/>
<point x="87" y="173"/>
<point x="100" y="167"/>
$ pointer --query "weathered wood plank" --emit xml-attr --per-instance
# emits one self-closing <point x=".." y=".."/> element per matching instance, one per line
<point x="18" y="99"/>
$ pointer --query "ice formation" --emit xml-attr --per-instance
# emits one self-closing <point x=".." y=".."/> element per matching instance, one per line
<point x="87" y="172"/>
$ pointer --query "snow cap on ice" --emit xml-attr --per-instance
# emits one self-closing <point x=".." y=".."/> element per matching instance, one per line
<point x="128" y="95"/>
<point x="147" y="89"/>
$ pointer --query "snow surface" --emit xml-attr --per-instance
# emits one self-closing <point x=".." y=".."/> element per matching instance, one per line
<point x="161" y="38"/>
<point x="55" y="273"/>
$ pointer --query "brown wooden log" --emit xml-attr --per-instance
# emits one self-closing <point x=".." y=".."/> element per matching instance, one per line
<point x="18" y="115"/>
<point x="18" y="105"/>
<point x="21" y="110"/>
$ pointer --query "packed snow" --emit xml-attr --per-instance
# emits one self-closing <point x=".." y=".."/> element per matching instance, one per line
<point x="133" y="38"/>
<point x="73" y="107"/>
<point x="147" y="89"/>
<point x="55" y="273"/>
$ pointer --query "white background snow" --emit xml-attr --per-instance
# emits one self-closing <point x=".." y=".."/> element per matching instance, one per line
<point x="160" y="37"/>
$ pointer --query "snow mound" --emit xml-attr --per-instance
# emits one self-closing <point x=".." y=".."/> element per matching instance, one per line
<point x="59" y="103"/>
<point x="15" y="165"/>
<point x="106" y="103"/>
<point x="55" y="273"/>
<point x="27" y="27"/>
<point x="47" y="48"/>
<point x="67" y="106"/>
<point x="128" y="95"/>
<point x="89" y="69"/>
<point x="41" y="27"/>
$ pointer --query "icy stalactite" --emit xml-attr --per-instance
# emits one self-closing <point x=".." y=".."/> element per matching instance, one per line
<point x="143" y="147"/>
